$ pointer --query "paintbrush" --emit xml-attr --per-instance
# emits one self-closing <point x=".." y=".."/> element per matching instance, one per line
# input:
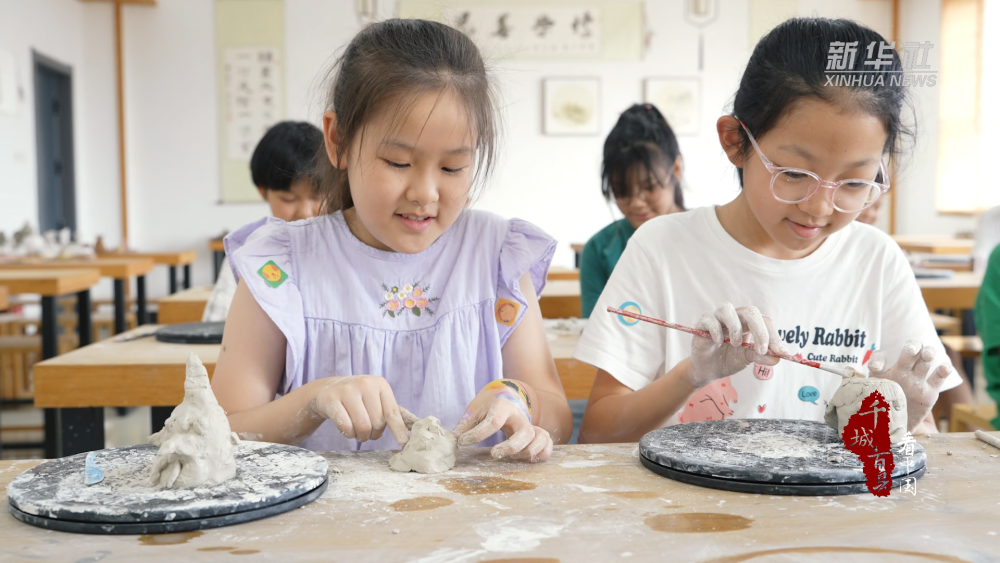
<point x="841" y="371"/>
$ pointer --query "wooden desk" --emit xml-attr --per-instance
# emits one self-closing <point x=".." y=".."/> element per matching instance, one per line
<point x="966" y="346"/>
<point x="218" y="249"/>
<point x="586" y="503"/>
<point x="140" y="372"/>
<point x="120" y="268"/>
<point x="67" y="431"/>
<point x="558" y="273"/>
<point x="4" y="298"/>
<point x="956" y="292"/>
<point x="145" y="372"/>
<point x="932" y="244"/>
<point x="170" y="259"/>
<point x="560" y="299"/>
<point x="577" y="377"/>
<point x="184" y="307"/>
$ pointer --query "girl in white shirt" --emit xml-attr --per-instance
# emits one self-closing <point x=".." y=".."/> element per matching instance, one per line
<point x="809" y="153"/>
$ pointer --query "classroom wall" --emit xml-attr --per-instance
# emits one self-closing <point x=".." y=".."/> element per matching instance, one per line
<point x="78" y="35"/>
<point x="172" y="141"/>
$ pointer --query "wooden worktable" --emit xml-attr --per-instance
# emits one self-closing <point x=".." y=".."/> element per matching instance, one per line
<point x="184" y="307"/>
<point x="140" y="372"/>
<point x="560" y="299"/>
<point x="178" y="258"/>
<point x="4" y="298"/>
<point x="48" y="281"/>
<point x="118" y="267"/>
<point x="957" y="292"/>
<point x="146" y="372"/>
<point x="586" y="503"/>
<point x="170" y="259"/>
<point x="934" y="244"/>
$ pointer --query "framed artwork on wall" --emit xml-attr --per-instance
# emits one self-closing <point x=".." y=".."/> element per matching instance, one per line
<point x="678" y="99"/>
<point x="571" y="106"/>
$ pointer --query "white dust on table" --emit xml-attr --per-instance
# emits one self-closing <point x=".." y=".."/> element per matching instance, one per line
<point x="518" y="533"/>
<point x="587" y="489"/>
<point x="356" y="478"/>
<point x="577" y="463"/>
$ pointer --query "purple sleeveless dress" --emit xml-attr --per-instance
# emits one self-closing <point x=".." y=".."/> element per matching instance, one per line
<point x="432" y="324"/>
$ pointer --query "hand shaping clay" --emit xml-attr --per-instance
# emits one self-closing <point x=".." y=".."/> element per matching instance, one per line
<point x="196" y="445"/>
<point x="847" y="401"/>
<point x="431" y="449"/>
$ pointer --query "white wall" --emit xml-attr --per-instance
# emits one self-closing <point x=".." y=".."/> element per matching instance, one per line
<point x="171" y="133"/>
<point x="52" y="28"/>
<point x="80" y="36"/>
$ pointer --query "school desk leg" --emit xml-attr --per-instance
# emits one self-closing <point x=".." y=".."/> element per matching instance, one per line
<point x="173" y="280"/>
<point x="120" y="310"/>
<point x="969" y="329"/>
<point x="140" y="300"/>
<point x="84" y="326"/>
<point x="158" y="417"/>
<point x="187" y="276"/>
<point x="217" y="258"/>
<point x="49" y="350"/>
<point x="80" y="430"/>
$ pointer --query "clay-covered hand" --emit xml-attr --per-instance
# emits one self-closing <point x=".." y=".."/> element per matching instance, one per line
<point x="911" y="373"/>
<point x="712" y="359"/>
<point x="505" y="405"/>
<point x="361" y="407"/>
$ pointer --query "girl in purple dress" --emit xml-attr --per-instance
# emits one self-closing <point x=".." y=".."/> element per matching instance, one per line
<point x="400" y="298"/>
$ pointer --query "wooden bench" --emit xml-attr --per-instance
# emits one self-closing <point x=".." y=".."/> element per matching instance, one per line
<point x="966" y="418"/>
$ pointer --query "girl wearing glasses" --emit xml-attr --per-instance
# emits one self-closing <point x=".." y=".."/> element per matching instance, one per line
<point x="809" y="158"/>
<point x="642" y="171"/>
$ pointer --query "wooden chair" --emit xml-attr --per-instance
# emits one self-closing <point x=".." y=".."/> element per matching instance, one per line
<point x="18" y="354"/>
<point x="966" y="418"/>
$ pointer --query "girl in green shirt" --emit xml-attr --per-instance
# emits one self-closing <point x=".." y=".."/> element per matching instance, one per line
<point x="988" y="323"/>
<point x="642" y="171"/>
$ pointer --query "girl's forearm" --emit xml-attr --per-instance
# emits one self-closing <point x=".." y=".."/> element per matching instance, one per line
<point x="290" y="419"/>
<point x="628" y="417"/>
<point x="549" y="411"/>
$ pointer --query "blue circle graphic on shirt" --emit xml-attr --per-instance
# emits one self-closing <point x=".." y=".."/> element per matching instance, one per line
<point x="631" y="307"/>
<point x="809" y="394"/>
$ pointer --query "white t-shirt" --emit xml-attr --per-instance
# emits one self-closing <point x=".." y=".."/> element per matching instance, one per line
<point x="854" y="294"/>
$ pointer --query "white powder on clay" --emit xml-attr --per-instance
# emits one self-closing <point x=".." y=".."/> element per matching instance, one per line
<point x="196" y="444"/>
<point x="853" y="390"/>
<point x="431" y="449"/>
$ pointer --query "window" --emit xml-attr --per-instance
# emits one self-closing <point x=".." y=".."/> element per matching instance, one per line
<point x="968" y="180"/>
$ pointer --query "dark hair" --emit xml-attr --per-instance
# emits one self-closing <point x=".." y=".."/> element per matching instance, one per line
<point x="790" y="63"/>
<point x="286" y="154"/>
<point x="641" y="136"/>
<point x="395" y="62"/>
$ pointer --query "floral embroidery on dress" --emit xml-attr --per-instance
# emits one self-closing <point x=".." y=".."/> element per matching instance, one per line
<point x="408" y="298"/>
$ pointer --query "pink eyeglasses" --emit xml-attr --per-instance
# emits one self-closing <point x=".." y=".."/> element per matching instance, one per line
<point x="795" y="185"/>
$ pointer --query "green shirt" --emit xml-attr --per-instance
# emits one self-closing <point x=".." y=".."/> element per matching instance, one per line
<point x="988" y="325"/>
<point x="598" y="260"/>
